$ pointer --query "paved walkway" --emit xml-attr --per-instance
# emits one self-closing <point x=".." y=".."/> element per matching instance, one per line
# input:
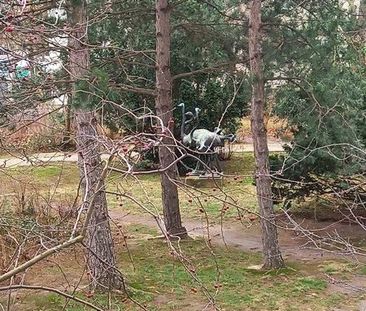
<point x="272" y="146"/>
<point x="44" y="158"/>
<point x="40" y="158"/>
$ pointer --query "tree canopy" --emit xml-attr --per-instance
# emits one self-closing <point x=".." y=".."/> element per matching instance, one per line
<point x="319" y="69"/>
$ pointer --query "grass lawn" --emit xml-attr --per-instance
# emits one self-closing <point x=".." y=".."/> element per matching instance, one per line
<point x="155" y="277"/>
<point x="158" y="280"/>
<point x="60" y="182"/>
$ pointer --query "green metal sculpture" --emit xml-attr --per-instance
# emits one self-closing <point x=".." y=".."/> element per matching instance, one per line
<point x="203" y="142"/>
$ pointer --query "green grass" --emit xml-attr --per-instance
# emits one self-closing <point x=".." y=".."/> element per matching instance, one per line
<point x="62" y="179"/>
<point x="363" y="270"/>
<point x="237" y="190"/>
<point x="47" y="172"/>
<point x="308" y="283"/>
<point x="158" y="280"/>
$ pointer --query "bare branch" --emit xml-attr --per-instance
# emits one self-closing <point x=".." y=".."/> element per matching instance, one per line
<point x="53" y="290"/>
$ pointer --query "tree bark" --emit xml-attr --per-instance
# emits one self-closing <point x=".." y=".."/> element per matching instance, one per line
<point x="164" y="110"/>
<point x="66" y="139"/>
<point x="100" y="255"/>
<point x="272" y="255"/>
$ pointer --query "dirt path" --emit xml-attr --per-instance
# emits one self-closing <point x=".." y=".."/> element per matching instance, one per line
<point x="248" y="237"/>
<point x="293" y="247"/>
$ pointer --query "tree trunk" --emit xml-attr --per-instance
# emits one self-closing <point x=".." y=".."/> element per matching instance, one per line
<point x="66" y="139"/>
<point x="271" y="251"/>
<point x="164" y="110"/>
<point x="100" y="256"/>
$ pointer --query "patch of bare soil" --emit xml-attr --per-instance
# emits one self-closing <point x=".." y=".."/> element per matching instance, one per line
<point x="353" y="286"/>
<point x="294" y="243"/>
<point x="185" y="304"/>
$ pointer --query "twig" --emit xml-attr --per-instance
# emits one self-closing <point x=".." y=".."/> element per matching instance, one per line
<point x="54" y="290"/>
<point x="39" y="257"/>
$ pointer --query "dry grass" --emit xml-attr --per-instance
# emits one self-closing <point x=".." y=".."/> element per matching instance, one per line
<point x="59" y="183"/>
<point x="276" y="129"/>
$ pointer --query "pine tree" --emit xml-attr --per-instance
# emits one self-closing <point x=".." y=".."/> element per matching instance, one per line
<point x="272" y="255"/>
<point x="164" y="105"/>
<point x="201" y="39"/>
<point x="321" y="95"/>
<point x="101" y="259"/>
